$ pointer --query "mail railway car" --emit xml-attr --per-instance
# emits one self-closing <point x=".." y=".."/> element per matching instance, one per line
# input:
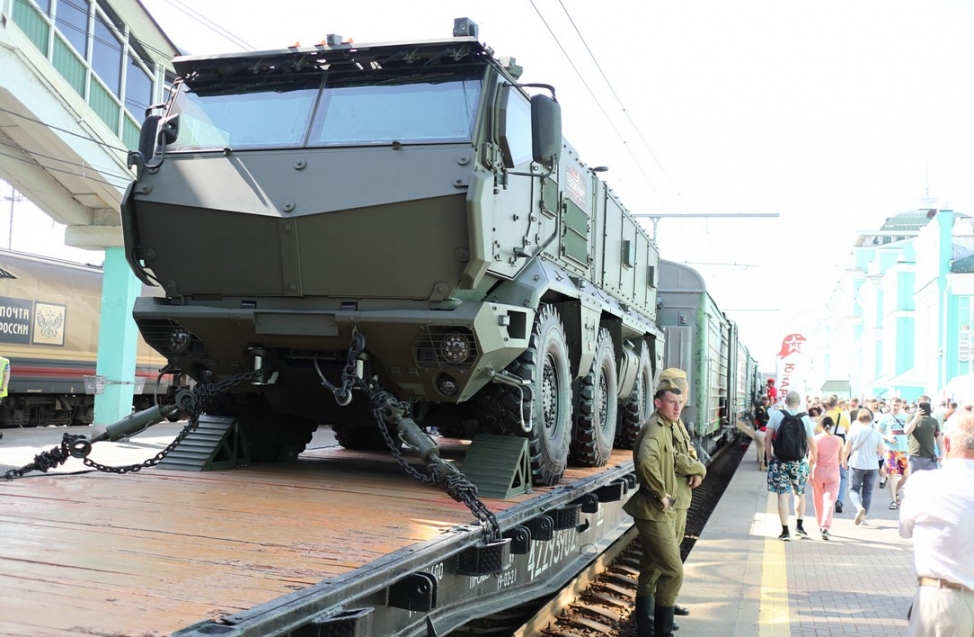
<point x="49" y="313"/>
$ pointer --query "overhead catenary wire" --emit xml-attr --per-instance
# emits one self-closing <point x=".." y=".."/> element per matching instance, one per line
<point x="101" y="171"/>
<point x="612" y="90"/>
<point x="92" y="177"/>
<point x="213" y="26"/>
<point x="64" y="130"/>
<point x="598" y="103"/>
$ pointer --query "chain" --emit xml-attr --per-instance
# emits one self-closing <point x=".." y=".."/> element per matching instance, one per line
<point x="343" y="393"/>
<point x="151" y="462"/>
<point x="77" y="446"/>
<point x="386" y="409"/>
<point x="384" y="406"/>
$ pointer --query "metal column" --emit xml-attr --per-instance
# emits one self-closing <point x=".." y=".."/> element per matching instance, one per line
<point x="117" y="339"/>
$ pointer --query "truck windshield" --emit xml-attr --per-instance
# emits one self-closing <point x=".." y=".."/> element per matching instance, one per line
<point x="301" y="113"/>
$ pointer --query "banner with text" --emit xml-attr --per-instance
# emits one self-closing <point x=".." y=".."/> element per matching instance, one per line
<point x="24" y="322"/>
<point x="791" y="365"/>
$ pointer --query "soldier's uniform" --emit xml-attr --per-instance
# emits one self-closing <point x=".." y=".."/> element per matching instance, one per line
<point x="686" y="462"/>
<point x="662" y="459"/>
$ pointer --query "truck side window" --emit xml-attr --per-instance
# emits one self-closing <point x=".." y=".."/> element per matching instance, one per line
<point x="515" y="127"/>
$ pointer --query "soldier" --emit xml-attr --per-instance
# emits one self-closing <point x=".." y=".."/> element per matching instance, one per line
<point x="654" y="507"/>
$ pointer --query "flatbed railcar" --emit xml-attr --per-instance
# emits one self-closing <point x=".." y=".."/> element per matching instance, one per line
<point x="702" y="340"/>
<point x="336" y="543"/>
<point x="49" y="311"/>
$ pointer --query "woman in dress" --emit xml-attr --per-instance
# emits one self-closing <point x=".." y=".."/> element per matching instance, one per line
<point x="825" y="475"/>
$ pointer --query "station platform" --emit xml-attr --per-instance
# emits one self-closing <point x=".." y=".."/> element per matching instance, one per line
<point x="740" y="579"/>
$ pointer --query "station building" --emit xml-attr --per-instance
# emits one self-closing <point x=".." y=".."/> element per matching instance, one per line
<point x="899" y="320"/>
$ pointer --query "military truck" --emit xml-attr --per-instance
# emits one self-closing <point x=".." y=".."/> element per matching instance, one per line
<point x="412" y="198"/>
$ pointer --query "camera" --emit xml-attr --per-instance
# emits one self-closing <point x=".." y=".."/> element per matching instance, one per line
<point x="925" y="409"/>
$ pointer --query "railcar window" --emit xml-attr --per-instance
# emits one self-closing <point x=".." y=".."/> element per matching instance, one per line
<point x="382" y="114"/>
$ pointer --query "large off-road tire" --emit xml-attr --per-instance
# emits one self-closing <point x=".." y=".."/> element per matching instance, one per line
<point x="271" y="436"/>
<point x="545" y="365"/>
<point x="638" y="407"/>
<point x="596" y="407"/>
<point x="361" y="437"/>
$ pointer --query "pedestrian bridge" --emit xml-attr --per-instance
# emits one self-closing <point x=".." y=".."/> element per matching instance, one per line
<point x="77" y="77"/>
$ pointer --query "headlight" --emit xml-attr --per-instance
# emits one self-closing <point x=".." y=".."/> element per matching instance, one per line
<point x="179" y="341"/>
<point x="455" y="348"/>
<point x="447" y="385"/>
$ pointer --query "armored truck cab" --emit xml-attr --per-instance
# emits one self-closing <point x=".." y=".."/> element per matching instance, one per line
<point x="412" y="195"/>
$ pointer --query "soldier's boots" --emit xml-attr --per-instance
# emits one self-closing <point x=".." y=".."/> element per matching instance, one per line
<point x="663" y="621"/>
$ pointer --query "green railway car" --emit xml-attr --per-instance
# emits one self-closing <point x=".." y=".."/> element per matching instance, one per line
<point x="701" y="340"/>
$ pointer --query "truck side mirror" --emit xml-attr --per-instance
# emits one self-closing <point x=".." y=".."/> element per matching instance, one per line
<point x="170" y="129"/>
<point x="148" y="137"/>
<point x="156" y="130"/>
<point x="545" y="130"/>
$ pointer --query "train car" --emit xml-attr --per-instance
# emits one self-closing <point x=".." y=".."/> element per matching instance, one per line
<point x="49" y="310"/>
<point x="701" y="340"/>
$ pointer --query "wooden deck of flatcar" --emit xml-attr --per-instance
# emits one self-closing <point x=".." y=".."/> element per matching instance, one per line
<point x="151" y="552"/>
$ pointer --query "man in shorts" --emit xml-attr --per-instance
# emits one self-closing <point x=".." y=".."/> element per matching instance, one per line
<point x="789" y="476"/>
<point x="892" y="429"/>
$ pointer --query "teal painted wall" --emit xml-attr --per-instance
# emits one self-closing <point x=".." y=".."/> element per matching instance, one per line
<point x="878" y="368"/>
<point x="905" y="339"/>
<point x="905" y="282"/>
<point x="117" y="339"/>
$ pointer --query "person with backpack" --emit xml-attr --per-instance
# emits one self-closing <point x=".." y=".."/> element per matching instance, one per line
<point x="792" y="447"/>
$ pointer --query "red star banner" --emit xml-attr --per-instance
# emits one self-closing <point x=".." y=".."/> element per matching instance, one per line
<point x="791" y="344"/>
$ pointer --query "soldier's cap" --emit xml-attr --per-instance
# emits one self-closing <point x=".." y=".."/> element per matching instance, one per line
<point x="676" y="376"/>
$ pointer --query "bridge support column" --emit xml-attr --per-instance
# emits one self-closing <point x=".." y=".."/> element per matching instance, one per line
<point x="117" y="339"/>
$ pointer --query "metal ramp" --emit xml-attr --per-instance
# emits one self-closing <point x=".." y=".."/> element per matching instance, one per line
<point x="500" y="466"/>
<point x="218" y="442"/>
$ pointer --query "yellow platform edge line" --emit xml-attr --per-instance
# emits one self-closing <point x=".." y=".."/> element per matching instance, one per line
<point x="774" y="619"/>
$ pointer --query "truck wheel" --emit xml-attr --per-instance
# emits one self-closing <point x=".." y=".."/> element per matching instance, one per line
<point x="595" y="415"/>
<point x="545" y="363"/>
<point x="361" y="438"/>
<point x="638" y="407"/>
<point x="271" y="436"/>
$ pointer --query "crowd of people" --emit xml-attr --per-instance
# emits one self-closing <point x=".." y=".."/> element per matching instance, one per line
<point x="853" y="459"/>
<point x="921" y="452"/>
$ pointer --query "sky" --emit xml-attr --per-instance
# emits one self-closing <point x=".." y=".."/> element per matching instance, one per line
<point x="833" y="115"/>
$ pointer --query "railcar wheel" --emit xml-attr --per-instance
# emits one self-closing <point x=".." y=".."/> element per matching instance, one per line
<point x="638" y="407"/>
<point x="597" y="406"/>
